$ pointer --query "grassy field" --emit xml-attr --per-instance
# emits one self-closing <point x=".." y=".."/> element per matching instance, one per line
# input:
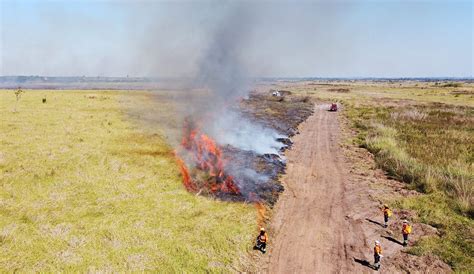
<point x="421" y="134"/>
<point x="430" y="148"/>
<point x="82" y="188"/>
<point x="87" y="182"/>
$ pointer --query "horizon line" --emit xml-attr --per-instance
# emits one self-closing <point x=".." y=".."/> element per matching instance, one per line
<point x="255" y="77"/>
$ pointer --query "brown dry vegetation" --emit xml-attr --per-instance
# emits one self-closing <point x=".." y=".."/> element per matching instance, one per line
<point x="420" y="134"/>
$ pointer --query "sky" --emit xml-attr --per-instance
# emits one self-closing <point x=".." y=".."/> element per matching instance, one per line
<point x="352" y="38"/>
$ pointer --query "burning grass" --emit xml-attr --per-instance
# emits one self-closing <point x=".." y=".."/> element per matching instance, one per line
<point x="237" y="174"/>
<point x="206" y="158"/>
<point x="82" y="189"/>
<point x="228" y="173"/>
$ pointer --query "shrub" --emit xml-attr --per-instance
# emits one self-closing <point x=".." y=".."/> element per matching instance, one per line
<point x="451" y="85"/>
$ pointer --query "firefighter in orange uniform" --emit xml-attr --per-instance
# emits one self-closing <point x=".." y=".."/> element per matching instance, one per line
<point x="387" y="213"/>
<point x="377" y="255"/>
<point x="406" y="230"/>
<point x="262" y="240"/>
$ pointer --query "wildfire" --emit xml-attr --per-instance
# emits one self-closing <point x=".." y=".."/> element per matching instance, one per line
<point x="207" y="162"/>
<point x="203" y="170"/>
<point x="187" y="181"/>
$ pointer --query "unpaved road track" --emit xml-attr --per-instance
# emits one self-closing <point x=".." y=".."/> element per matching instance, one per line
<point x="314" y="228"/>
<point x="329" y="216"/>
<point x="309" y="220"/>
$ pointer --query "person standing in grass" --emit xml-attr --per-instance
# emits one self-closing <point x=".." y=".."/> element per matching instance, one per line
<point x="387" y="213"/>
<point x="377" y="255"/>
<point x="262" y="240"/>
<point x="406" y="230"/>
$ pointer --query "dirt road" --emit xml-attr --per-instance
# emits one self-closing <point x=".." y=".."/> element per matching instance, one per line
<point x="327" y="219"/>
<point x="310" y="227"/>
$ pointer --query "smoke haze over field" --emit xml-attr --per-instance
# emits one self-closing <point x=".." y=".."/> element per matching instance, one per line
<point x="283" y="38"/>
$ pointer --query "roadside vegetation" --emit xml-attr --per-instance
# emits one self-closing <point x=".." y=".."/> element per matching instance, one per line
<point x="420" y="133"/>
<point x="84" y="189"/>
<point x="430" y="147"/>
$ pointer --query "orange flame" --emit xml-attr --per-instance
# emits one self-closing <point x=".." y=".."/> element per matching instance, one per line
<point x="207" y="157"/>
<point x="187" y="181"/>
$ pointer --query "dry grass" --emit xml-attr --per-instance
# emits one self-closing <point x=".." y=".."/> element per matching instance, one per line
<point x="83" y="189"/>
<point x="421" y="134"/>
<point x="429" y="147"/>
<point x="387" y="93"/>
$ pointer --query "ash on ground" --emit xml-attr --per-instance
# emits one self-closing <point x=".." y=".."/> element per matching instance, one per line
<point x="282" y="113"/>
<point x="236" y="174"/>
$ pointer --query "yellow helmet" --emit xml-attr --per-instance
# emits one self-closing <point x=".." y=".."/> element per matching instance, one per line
<point x="262" y="229"/>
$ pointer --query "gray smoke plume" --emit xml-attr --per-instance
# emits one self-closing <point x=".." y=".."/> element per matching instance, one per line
<point x="220" y="68"/>
<point x="221" y="71"/>
<point x="211" y="108"/>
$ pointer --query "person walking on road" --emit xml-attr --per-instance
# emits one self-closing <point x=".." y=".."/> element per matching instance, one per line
<point x="377" y="255"/>
<point x="406" y="230"/>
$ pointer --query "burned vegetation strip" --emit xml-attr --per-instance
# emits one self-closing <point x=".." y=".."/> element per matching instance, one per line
<point x="283" y="113"/>
<point x="259" y="174"/>
<point x="233" y="173"/>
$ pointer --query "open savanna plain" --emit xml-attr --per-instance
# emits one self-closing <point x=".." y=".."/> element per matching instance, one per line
<point x="422" y="134"/>
<point x="88" y="181"/>
<point x="84" y="188"/>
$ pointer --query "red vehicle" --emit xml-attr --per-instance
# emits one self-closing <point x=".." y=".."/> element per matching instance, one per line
<point x="333" y="107"/>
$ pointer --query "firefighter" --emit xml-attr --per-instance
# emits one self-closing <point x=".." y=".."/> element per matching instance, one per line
<point x="387" y="213"/>
<point x="262" y="240"/>
<point x="406" y="230"/>
<point x="377" y="255"/>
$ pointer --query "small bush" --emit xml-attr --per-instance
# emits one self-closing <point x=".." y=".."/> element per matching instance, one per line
<point x="451" y="85"/>
<point x="339" y="90"/>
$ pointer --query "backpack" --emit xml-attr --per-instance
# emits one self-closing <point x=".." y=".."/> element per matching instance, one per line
<point x="389" y="213"/>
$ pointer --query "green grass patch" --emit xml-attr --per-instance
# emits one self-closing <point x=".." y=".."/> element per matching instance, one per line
<point x="456" y="242"/>
<point x="84" y="189"/>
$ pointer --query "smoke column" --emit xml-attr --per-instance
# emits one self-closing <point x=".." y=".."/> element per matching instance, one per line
<point x="223" y="74"/>
<point x="210" y="108"/>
